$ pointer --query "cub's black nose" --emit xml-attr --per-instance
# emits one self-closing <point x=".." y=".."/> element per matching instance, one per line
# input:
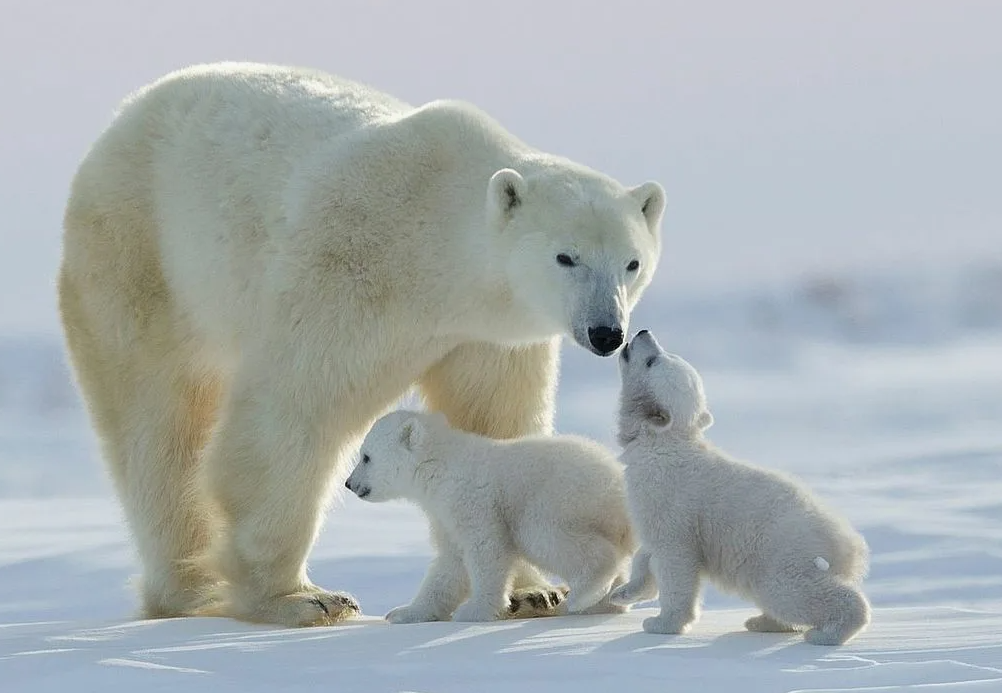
<point x="347" y="484"/>
<point x="605" y="339"/>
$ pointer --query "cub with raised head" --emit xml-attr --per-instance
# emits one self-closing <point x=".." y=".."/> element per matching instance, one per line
<point x="701" y="513"/>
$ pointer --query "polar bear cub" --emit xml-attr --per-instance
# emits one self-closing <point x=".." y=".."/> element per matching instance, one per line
<point x="699" y="512"/>
<point x="553" y="502"/>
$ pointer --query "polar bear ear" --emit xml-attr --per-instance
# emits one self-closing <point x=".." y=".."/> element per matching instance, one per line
<point x="412" y="434"/>
<point x="704" y="420"/>
<point x="652" y="199"/>
<point x="505" y="193"/>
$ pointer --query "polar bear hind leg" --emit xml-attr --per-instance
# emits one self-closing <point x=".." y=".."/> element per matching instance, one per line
<point x="832" y="611"/>
<point x="152" y="409"/>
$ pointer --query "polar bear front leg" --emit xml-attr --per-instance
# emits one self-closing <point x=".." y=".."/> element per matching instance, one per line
<point x="676" y="569"/>
<point x="642" y="585"/>
<point x="502" y="392"/>
<point x="268" y="468"/>
<point x="489" y="562"/>
<point x="445" y="585"/>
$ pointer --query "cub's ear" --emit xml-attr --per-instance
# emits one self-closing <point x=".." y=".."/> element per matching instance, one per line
<point x="704" y="420"/>
<point x="655" y="416"/>
<point x="412" y="434"/>
<point x="652" y="199"/>
<point x="505" y="193"/>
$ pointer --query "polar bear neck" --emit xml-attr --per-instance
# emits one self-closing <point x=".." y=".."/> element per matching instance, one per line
<point x="667" y="447"/>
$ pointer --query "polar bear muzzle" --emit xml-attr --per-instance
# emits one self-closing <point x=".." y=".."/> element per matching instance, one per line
<point x="605" y="339"/>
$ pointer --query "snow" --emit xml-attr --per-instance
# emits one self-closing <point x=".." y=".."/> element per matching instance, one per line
<point x="883" y="392"/>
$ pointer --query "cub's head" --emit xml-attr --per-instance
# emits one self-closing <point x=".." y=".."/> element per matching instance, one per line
<point x="662" y="394"/>
<point x="580" y="248"/>
<point x="389" y="455"/>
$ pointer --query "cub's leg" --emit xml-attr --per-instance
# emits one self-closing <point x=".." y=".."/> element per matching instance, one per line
<point x="489" y="560"/>
<point x="446" y="585"/>
<point x="642" y="585"/>
<point x="832" y="610"/>
<point x="676" y="569"/>
<point x="501" y="392"/>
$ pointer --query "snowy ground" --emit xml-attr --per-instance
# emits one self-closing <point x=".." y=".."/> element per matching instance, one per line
<point x="884" y="393"/>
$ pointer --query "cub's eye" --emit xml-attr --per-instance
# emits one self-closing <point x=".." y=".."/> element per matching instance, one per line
<point x="565" y="260"/>
<point x="633" y="266"/>
<point x="365" y="459"/>
<point x="651" y="360"/>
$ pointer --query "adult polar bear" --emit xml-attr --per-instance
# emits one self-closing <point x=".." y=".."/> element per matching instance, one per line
<point x="259" y="260"/>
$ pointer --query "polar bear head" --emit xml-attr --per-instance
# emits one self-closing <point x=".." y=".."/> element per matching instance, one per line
<point x="580" y="248"/>
<point x="391" y="453"/>
<point x="661" y="393"/>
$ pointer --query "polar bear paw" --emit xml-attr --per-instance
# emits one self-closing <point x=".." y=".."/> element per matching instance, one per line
<point x="534" y="602"/>
<point x="314" y="607"/>
<point x="631" y="593"/>
<point x="409" y="613"/>
<point x="475" y="612"/>
<point x="666" y="625"/>
<point x="763" y="623"/>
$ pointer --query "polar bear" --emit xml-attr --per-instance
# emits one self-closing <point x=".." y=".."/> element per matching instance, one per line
<point x="258" y="261"/>
<point x="699" y="512"/>
<point x="554" y="502"/>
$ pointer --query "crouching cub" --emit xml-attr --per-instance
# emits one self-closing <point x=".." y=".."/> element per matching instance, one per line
<point x="698" y="512"/>
<point x="553" y="503"/>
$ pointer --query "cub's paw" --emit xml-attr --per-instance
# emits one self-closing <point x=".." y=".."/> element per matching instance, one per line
<point x="763" y="623"/>
<point x="534" y="602"/>
<point x="475" y="612"/>
<point x="828" y="637"/>
<point x="628" y="594"/>
<point x="411" y="614"/>
<point x="605" y="606"/>
<point x="666" y="625"/>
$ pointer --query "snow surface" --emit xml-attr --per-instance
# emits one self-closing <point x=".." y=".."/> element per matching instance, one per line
<point x="884" y="393"/>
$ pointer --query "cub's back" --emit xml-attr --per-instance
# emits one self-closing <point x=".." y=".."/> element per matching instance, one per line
<point x="560" y="475"/>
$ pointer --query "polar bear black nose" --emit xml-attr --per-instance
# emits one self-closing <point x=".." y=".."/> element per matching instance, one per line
<point x="605" y="339"/>
<point x="347" y="484"/>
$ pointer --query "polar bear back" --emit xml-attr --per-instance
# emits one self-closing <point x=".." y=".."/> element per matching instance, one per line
<point x="234" y="161"/>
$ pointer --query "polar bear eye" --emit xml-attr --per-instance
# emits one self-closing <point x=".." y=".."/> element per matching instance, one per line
<point x="651" y="360"/>
<point x="633" y="266"/>
<point x="365" y="459"/>
<point x="565" y="260"/>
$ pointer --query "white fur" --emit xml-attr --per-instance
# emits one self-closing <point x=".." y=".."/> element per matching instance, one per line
<point x="557" y="503"/>
<point x="259" y="260"/>
<point x="699" y="512"/>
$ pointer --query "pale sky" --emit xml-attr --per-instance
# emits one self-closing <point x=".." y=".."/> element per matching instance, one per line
<point x="791" y="136"/>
